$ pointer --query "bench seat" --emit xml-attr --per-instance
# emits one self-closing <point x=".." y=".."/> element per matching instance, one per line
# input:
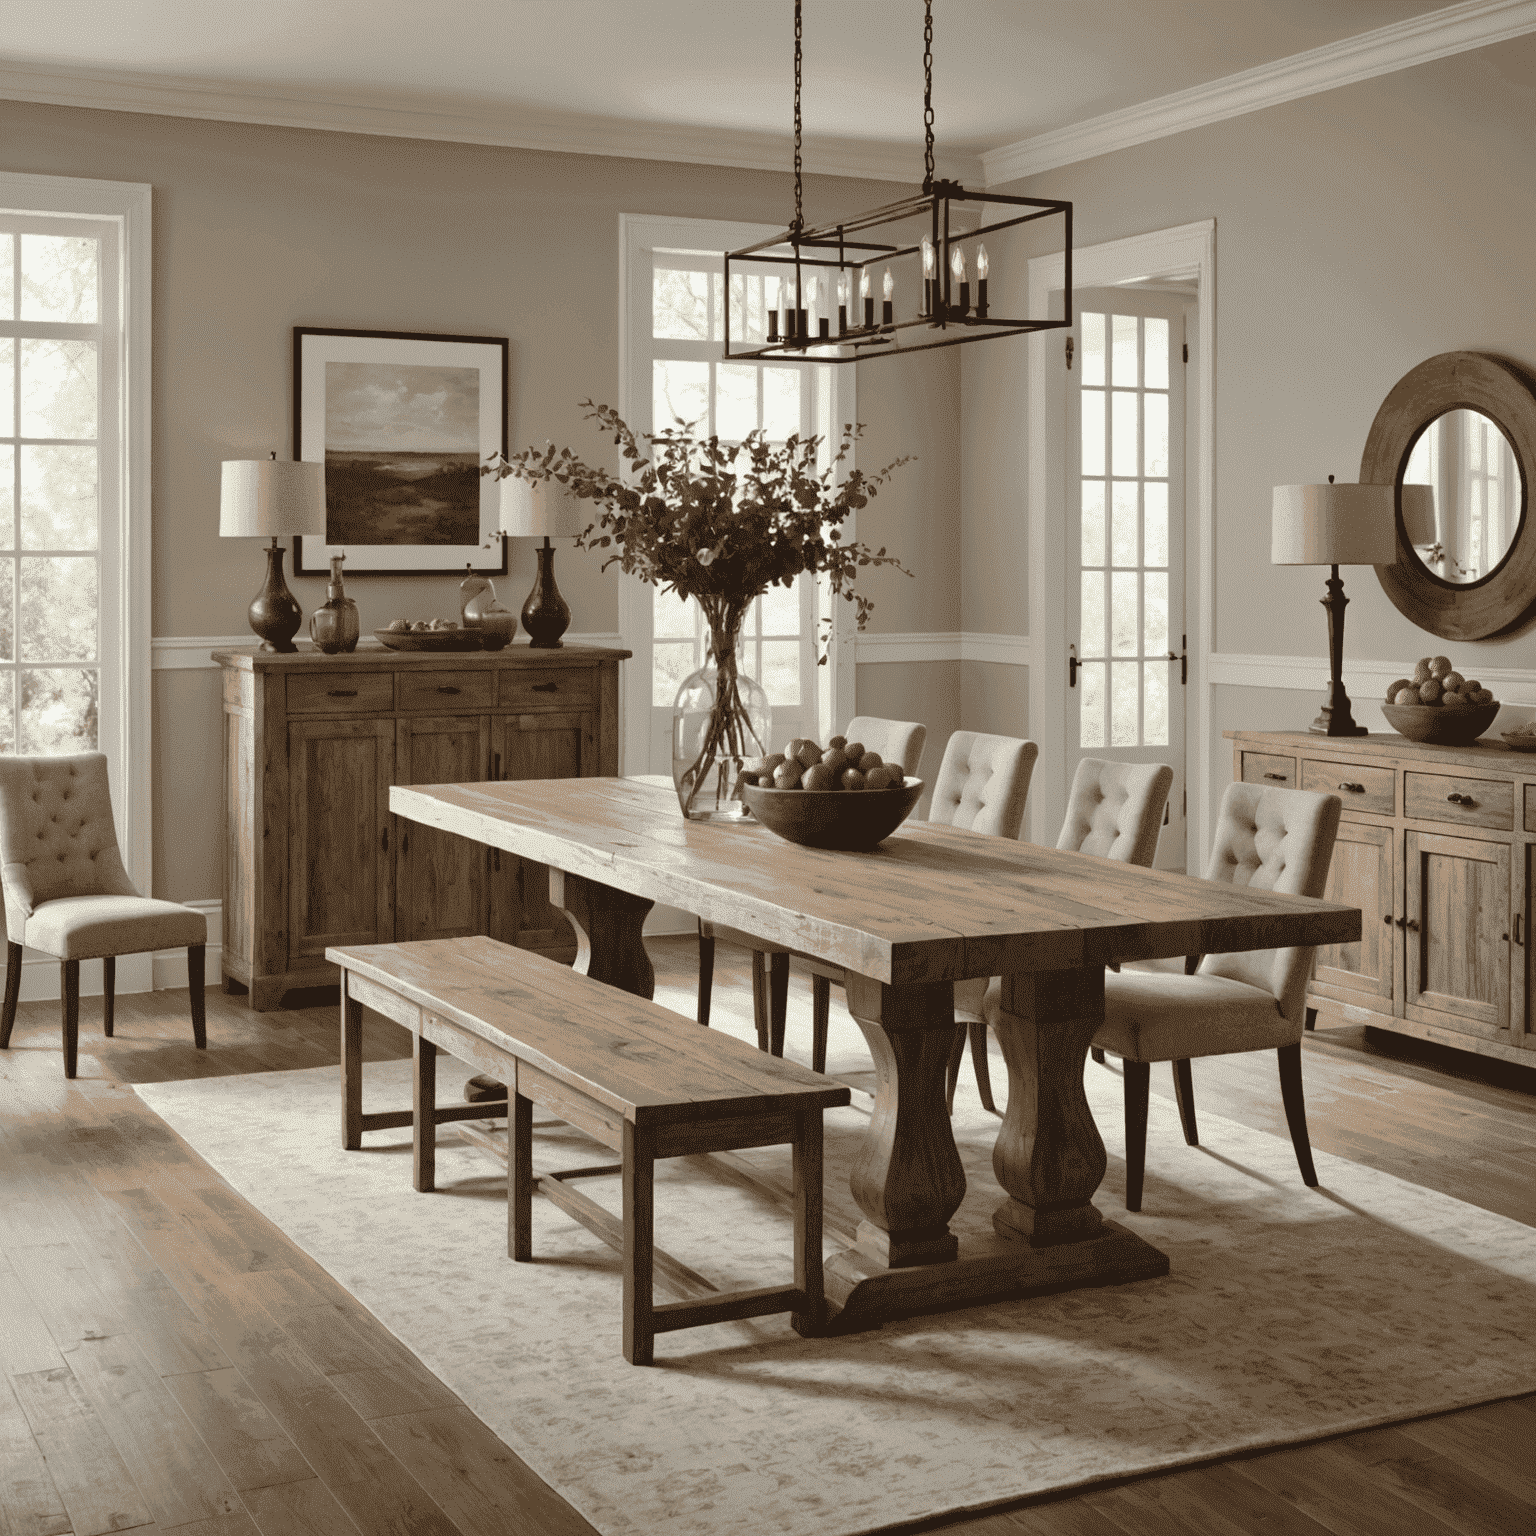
<point x="631" y="1074"/>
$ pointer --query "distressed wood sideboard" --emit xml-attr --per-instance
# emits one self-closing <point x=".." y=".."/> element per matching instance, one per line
<point x="1436" y="849"/>
<point x="313" y="858"/>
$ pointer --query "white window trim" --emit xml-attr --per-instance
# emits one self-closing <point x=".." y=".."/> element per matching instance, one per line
<point x="644" y="232"/>
<point x="126" y="208"/>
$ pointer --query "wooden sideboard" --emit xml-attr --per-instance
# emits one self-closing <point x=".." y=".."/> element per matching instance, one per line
<point x="312" y="744"/>
<point x="1436" y="849"/>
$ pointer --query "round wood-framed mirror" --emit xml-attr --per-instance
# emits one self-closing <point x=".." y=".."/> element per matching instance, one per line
<point x="1465" y="424"/>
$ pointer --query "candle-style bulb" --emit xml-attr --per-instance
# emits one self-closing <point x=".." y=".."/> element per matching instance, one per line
<point x="864" y="283"/>
<point x="983" y="266"/>
<point x="842" y="287"/>
<point x="957" y="264"/>
<point x="887" y="286"/>
<point x="927" y="257"/>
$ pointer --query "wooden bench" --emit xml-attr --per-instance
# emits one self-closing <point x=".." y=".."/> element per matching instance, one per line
<point x="629" y="1073"/>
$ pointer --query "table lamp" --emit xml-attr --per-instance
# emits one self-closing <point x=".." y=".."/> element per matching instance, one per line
<point x="261" y="498"/>
<point x="529" y="510"/>
<point x="1334" y="525"/>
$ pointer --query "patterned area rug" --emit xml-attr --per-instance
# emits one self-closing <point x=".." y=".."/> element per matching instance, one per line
<point x="1289" y="1314"/>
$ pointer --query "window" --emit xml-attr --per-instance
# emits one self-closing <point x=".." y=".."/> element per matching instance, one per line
<point x="675" y="304"/>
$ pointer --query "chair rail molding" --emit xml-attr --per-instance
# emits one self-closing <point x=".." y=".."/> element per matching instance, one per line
<point x="890" y="646"/>
<point x="1381" y="51"/>
<point x="178" y="653"/>
<point x="1363" y="678"/>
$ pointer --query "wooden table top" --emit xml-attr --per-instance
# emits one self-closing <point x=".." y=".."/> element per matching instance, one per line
<point x="932" y="903"/>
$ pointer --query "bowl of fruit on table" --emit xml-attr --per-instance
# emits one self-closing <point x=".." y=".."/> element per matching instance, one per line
<point x="841" y="797"/>
<point x="1438" y="705"/>
<point x="428" y="635"/>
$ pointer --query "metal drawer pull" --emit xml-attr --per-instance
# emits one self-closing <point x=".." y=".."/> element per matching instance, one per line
<point x="1280" y="776"/>
<point x="1518" y="939"/>
<point x="546" y="687"/>
<point x="1354" y="789"/>
<point x="341" y="693"/>
<point x="1387" y="919"/>
<point x="1466" y="800"/>
<point x="447" y="688"/>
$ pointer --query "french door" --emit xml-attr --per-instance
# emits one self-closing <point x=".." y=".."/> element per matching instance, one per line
<point x="1127" y="648"/>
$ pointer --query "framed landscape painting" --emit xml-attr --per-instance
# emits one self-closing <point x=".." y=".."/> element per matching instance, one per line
<point x="402" y="423"/>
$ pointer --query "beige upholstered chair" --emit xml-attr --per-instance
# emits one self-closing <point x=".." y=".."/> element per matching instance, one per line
<point x="1115" y="811"/>
<point x="1271" y="839"/>
<point x="67" y="893"/>
<point x="897" y="741"/>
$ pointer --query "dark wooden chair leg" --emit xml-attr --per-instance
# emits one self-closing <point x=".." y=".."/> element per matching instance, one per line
<point x="1311" y="1019"/>
<point x="196" y="955"/>
<point x="760" y="997"/>
<point x="108" y="991"/>
<point x="1097" y="1054"/>
<point x="952" y="1068"/>
<point x="978" y="1033"/>
<point x="821" y="1010"/>
<point x="1296" y="1110"/>
<point x="69" y="987"/>
<point x="778" y="1001"/>
<point x="13" y="954"/>
<point x="1184" y="1092"/>
<point x="706" y="975"/>
<point x="423" y="1114"/>
<point x="639" y="1243"/>
<point x="1138" y="1087"/>
<point x="520" y="1180"/>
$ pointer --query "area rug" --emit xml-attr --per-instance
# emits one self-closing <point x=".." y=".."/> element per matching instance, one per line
<point x="1289" y="1314"/>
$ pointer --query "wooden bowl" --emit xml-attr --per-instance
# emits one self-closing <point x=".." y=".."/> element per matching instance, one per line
<point x="846" y="820"/>
<point x="1518" y="743"/>
<point x="430" y="639"/>
<point x="1458" y="726"/>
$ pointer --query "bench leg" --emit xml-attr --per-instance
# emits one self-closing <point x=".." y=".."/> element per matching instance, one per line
<point x="520" y="1180"/>
<point x="807" y="1195"/>
<point x="423" y="1114"/>
<point x="351" y="1070"/>
<point x="639" y="1243"/>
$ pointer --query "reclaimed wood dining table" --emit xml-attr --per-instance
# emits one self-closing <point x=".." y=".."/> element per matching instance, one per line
<point x="930" y="906"/>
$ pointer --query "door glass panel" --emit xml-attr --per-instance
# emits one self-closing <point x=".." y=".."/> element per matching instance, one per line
<point x="7" y="386"/>
<point x="1093" y="522"/>
<point x="1125" y="617"/>
<point x="1155" y="532"/>
<point x="780" y="674"/>
<point x="672" y="618"/>
<point x="671" y="662"/>
<point x="779" y="609"/>
<point x="1093" y="350"/>
<point x="58" y="388"/>
<point x="1092" y="622"/>
<point x="7" y="496"/>
<point x="1090" y="679"/>
<point x="1124" y="425"/>
<point x="58" y="498"/>
<point x="1155" y="613"/>
<point x="1157" y="436"/>
<point x="8" y="712"/>
<point x="1154" y="730"/>
<point x="1155" y="334"/>
<point x="781" y="403"/>
<point x="1125" y="705"/>
<point x="59" y="276"/>
<point x="680" y="394"/>
<point x="7" y="614"/>
<point x="735" y="400"/>
<point x="1093" y="432"/>
<point x="1125" y="522"/>
<point x="58" y="709"/>
<point x="7" y="279"/>
<point x="1126" y="371"/>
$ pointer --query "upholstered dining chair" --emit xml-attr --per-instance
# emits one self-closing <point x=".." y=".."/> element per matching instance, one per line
<point x="897" y="741"/>
<point x="68" y="894"/>
<point x="1252" y="1000"/>
<point x="1115" y="811"/>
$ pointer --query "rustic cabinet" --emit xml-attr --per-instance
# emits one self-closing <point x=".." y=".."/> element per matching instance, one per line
<point x="312" y="744"/>
<point x="1435" y="848"/>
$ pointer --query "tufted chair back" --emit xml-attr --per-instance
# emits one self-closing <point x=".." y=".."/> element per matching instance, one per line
<point x="56" y="834"/>
<point x="1116" y="810"/>
<point x="897" y="741"/>
<point x="1273" y="840"/>
<point x="983" y="782"/>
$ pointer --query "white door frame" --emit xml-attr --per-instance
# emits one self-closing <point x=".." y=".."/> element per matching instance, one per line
<point x="1188" y="251"/>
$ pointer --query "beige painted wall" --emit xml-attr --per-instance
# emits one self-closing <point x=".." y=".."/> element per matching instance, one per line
<point x="259" y="229"/>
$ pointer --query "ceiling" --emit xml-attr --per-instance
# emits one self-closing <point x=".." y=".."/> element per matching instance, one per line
<point x="1004" y="70"/>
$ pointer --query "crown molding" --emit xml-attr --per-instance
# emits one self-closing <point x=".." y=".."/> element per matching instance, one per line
<point x="1402" y="45"/>
<point x="441" y="118"/>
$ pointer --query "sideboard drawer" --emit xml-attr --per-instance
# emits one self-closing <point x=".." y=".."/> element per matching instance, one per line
<point x="447" y="692"/>
<point x="1469" y="802"/>
<point x="1262" y="768"/>
<point x="546" y="687"/>
<point x="1361" y="786"/>
<point x="341" y="693"/>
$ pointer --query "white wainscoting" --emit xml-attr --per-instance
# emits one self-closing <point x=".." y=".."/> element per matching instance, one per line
<point x="942" y="645"/>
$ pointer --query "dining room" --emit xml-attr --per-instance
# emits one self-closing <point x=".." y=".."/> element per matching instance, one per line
<point x="734" y="930"/>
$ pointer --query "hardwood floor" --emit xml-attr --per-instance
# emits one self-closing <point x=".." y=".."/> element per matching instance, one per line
<point x="173" y="1363"/>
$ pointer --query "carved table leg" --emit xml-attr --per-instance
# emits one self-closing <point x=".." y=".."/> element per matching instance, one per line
<point x="607" y="923"/>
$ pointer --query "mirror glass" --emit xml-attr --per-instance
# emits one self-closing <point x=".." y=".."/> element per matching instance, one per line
<point x="1469" y="465"/>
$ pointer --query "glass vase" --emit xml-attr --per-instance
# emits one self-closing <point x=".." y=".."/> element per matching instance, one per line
<point x="721" y="719"/>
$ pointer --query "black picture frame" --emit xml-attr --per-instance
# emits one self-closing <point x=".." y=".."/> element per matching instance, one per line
<point x="314" y="347"/>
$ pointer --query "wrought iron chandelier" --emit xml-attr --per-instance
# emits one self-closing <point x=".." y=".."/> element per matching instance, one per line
<point x="810" y="293"/>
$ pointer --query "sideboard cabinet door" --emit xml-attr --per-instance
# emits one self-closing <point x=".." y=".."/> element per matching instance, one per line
<point x="1363" y="874"/>
<point x="439" y="876"/>
<point x="536" y="746"/>
<point x="340" y="862"/>
<point x="1457" y="911"/>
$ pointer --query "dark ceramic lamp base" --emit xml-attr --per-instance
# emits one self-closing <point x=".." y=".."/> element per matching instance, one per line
<point x="546" y="615"/>
<point x="1335" y="717"/>
<point x="275" y="613"/>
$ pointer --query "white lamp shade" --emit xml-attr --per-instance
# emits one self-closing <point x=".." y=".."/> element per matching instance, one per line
<point x="261" y="498"/>
<point x="1417" y="504"/>
<point x="539" y="509"/>
<point x="1333" y="525"/>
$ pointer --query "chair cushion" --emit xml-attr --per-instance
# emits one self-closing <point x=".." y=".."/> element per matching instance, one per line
<point x="88" y="927"/>
<point x="1158" y="1016"/>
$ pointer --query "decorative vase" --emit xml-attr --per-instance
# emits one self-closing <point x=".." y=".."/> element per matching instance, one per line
<point x="274" y="612"/>
<point x="335" y="627"/>
<point x="469" y="589"/>
<point x="721" y="718"/>
<point x="546" y="615"/>
<point x="495" y="623"/>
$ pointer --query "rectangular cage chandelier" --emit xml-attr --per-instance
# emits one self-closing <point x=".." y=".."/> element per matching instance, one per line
<point x="810" y="294"/>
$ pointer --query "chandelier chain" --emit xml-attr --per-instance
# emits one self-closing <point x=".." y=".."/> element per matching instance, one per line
<point x="799" y="223"/>
<point x="927" y="94"/>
